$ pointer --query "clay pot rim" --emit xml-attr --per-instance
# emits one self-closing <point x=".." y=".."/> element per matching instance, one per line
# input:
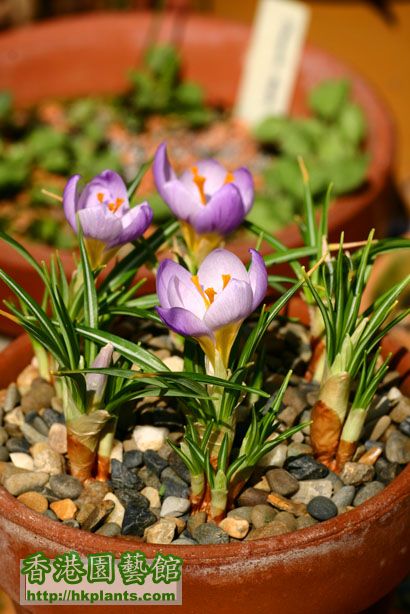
<point x="379" y="506"/>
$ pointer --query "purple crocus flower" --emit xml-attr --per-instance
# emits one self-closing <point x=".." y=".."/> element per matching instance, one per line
<point x="104" y="211"/>
<point x="96" y="382"/>
<point x="207" y="196"/>
<point x="211" y="305"/>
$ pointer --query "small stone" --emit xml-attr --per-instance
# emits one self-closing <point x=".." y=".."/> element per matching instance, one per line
<point x="322" y="508"/>
<point x="149" y="437"/>
<point x="109" y="529"/>
<point x="282" y="482"/>
<point x="46" y="459"/>
<point x="12" y="398"/>
<point x="268" y="530"/>
<point x="394" y="394"/>
<point x="132" y="459"/>
<point x="404" y="427"/>
<point x="98" y="515"/>
<point x="385" y="471"/>
<point x="367" y="491"/>
<point x="305" y="467"/>
<point x="39" y="396"/>
<point x="66" y="486"/>
<point x="310" y="489"/>
<point x="22" y="460"/>
<point x="3" y="436"/>
<point x="117" y="514"/>
<point x="178" y="465"/>
<point x="171" y="488"/>
<point x="274" y="458"/>
<point x="195" y="520"/>
<point x="149" y="478"/>
<point x="64" y="509"/>
<point x="93" y="491"/>
<point x="152" y="495"/>
<point x="136" y="520"/>
<point x="288" y="519"/>
<point x="401" y="411"/>
<point x="32" y="435"/>
<point x="305" y="521"/>
<point x="298" y="437"/>
<point x="185" y="541"/>
<point x="26" y="378"/>
<point x="15" y="418"/>
<point x="398" y="448"/>
<point x="128" y="445"/>
<point x="379" y="428"/>
<point x="371" y="455"/>
<point x="235" y="527"/>
<point x="154" y="462"/>
<point x="162" y="532"/>
<point x="57" y="405"/>
<point x="51" y="416"/>
<point x="252" y="496"/>
<point x="179" y="522"/>
<point x="262" y="514"/>
<point x="344" y="497"/>
<point x="57" y="438"/>
<point x="4" y="454"/>
<point x="295" y="398"/>
<point x="117" y="451"/>
<point x="336" y="481"/>
<point x="34" y="500"/>
<point x="298" y="449"/>
<point x="174" y="363"/>
<point x="17" y="444"/>
<point x="39" y="425"/>
<point x="356" y="473"/>
<point x="174" y="506"/>
<point x="50" y="514"/>
<point x="288" y="416"/>
<point x="71" y="522"/>
<point x="298" y="509"/>
<point x="209" y="533"/>
<point x="130" y="495"/>
<point x="243" y="511"/>
<point x="18" y="483"/>
<point x="123" y="478"/>
<point x="263" y="484"/>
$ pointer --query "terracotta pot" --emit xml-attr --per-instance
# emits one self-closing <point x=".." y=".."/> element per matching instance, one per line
<point x="91" y="54"/>
<point x="340" y="566"/>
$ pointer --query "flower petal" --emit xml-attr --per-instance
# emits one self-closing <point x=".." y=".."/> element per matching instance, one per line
<point x="110" y="184"/>
<point x="183" y="203"/>
<point x="258" y="277"/>
<point x="96" y="381"/>
<point x="218" y="263"/>
<point x="98" y="224"/>
<point x="186" y="296"/>
<point x="244" y="182"/>
<point x="162" y="169"/>
<point x="134" y="223"/>
<point x="223" y="213"/>
<point x="232" y="305"/>
<point x="70" y="200"/>
<point x="166" y="271"/>
<point x="184" y="322"/>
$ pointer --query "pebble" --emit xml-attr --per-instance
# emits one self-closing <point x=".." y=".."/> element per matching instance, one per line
<point x="297" y="449"/>
<point x="71" y="522"/>
<point x="385" y="471"/>
<point x="136" y="520"/>
<point x="39" y="396"/>
<point x="3" y="436"/>
<point x="17" y="444"/>
<point x="149" y="437"/>
<point x="15" y="417"/>
<point x="398" y="448"/>
<point x="263" y="484"/>
<point x="117" y="514"/>
<point x="26" y="378"/>
<point x="298" y="437"/>
<point x="154" y="462"/>
<point x="132" y="459"/>
<point x="36" y="422"/>
<point x="195" y="520"/>
<point x="274" y="458"/>
<point x="185" y="541"/>
<point x="268" y="530"/>
<point x="322" y="508"/>
<point x="310" y="489"/>
<point x="46" y="459"/>
<point x="356" y="473"/>
<point x="51" y="416"/>
<point x="288" y="415"/>
<point x="174" y="363"/>
<point x="381" y="425"/>
<point x="152" y="495"/>
<point x="22" y="460"/>
<point x="336" y="481"/>
<point x="32" y="435"/>
<point x="305" y="521"/>
<point x="12" y="398"/>
<point x="109" y="529"/>
<point x="162" y="532"/>
<point x="64" y="509"/>
<point x="18" y="483"/>
<point x="261" y="515"/>
<point x="298" y="509"/>
<point x="57" y="437"/>
<point x="237" y="528"/>
<point x="178" y="465"/>
<point x="4" y="454"/>
<point x="123" y="478"/>
<point x="174" y="506"/>
<point x="50" y="514"/>
<point x="66" y="486"/>
<point x="404" y="427"/>
<point x="93" y="491"/>
<point x="367" y="491"/>
<point x="344" y="496"/>
<point x="117" y="452"/>
<point x="282" y="482"/>
<point x="209" y="533"/>
<point x="252" y="496"/>
<point x="295" y="398"/>
<point x="171" y="488"/>
<point x="149" y="478"/>
<point x="100" y="512"/>
<point x="245" y="511"/>
<point x="401" y="411"/>
<point x="128" y="496"/>
<point x="305" y="467"/>
<point x="288" y="519"/>
<point x="371" y="455"/>
<point x="34" y="500"/>
<point x="128" y="445"/>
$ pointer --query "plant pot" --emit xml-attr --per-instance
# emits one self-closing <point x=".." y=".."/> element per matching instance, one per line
<point x="340" y="566"/>
<point x="91" y="54"/>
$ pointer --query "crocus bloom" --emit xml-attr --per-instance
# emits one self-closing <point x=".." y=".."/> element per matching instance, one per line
<point x="96" y="382"/>
<point x="206" y="197"/>
<point x="211" y="305"/>
<point x="104" y="212"/>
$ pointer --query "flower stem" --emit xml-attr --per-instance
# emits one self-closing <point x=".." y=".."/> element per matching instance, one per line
<point x="104" y="450"/>
<point x="350" y="435"/>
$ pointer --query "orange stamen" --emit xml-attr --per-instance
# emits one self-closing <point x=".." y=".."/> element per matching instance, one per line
<point x="229" y="177"/>
<point x="199" y="180"/>
<point x="100" y="197"/>
<point x="115" y="206"/>
<point x="195" y="281"/>
<point x="225" y="279"/>
<point x="210" y="292"/>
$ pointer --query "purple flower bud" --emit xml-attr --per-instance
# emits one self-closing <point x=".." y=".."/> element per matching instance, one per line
<point x="96" y="382"/>
<point x="207" y="196"/>
<point x="104" y="210"/>
<point x="211" y="305"/>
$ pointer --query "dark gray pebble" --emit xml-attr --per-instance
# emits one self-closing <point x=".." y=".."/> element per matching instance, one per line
<point x="322" y="508"/>
<point x="367" y="491"/>
<point x="210" y="534"/>
<point x="171" y="488"/>
<point x="136" y="520"/>
<point x="179" y="467"/>
<point x="132" y="459"/>
<point x="17" y="444"/>
<point x="405" y="427"/>
<point x="66" y="486"/>
<point x="128" y="496"/>
<point x="386" y="471"/>
<point x="154" y="462"/>
<point x="304" y="467"/>
<point x="51" y="416"/>
<point x="122" y="477"/>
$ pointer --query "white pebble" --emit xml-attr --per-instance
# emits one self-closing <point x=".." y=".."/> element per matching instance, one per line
<point x="149" y="437"/>
<point x="117" y="451"/>
<point x="175" y="363"/>
<point x="57" y="437"/>
<point x="117" y="514"/>
<point x="22" y="460"/>
<point x="174" y="506"/>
